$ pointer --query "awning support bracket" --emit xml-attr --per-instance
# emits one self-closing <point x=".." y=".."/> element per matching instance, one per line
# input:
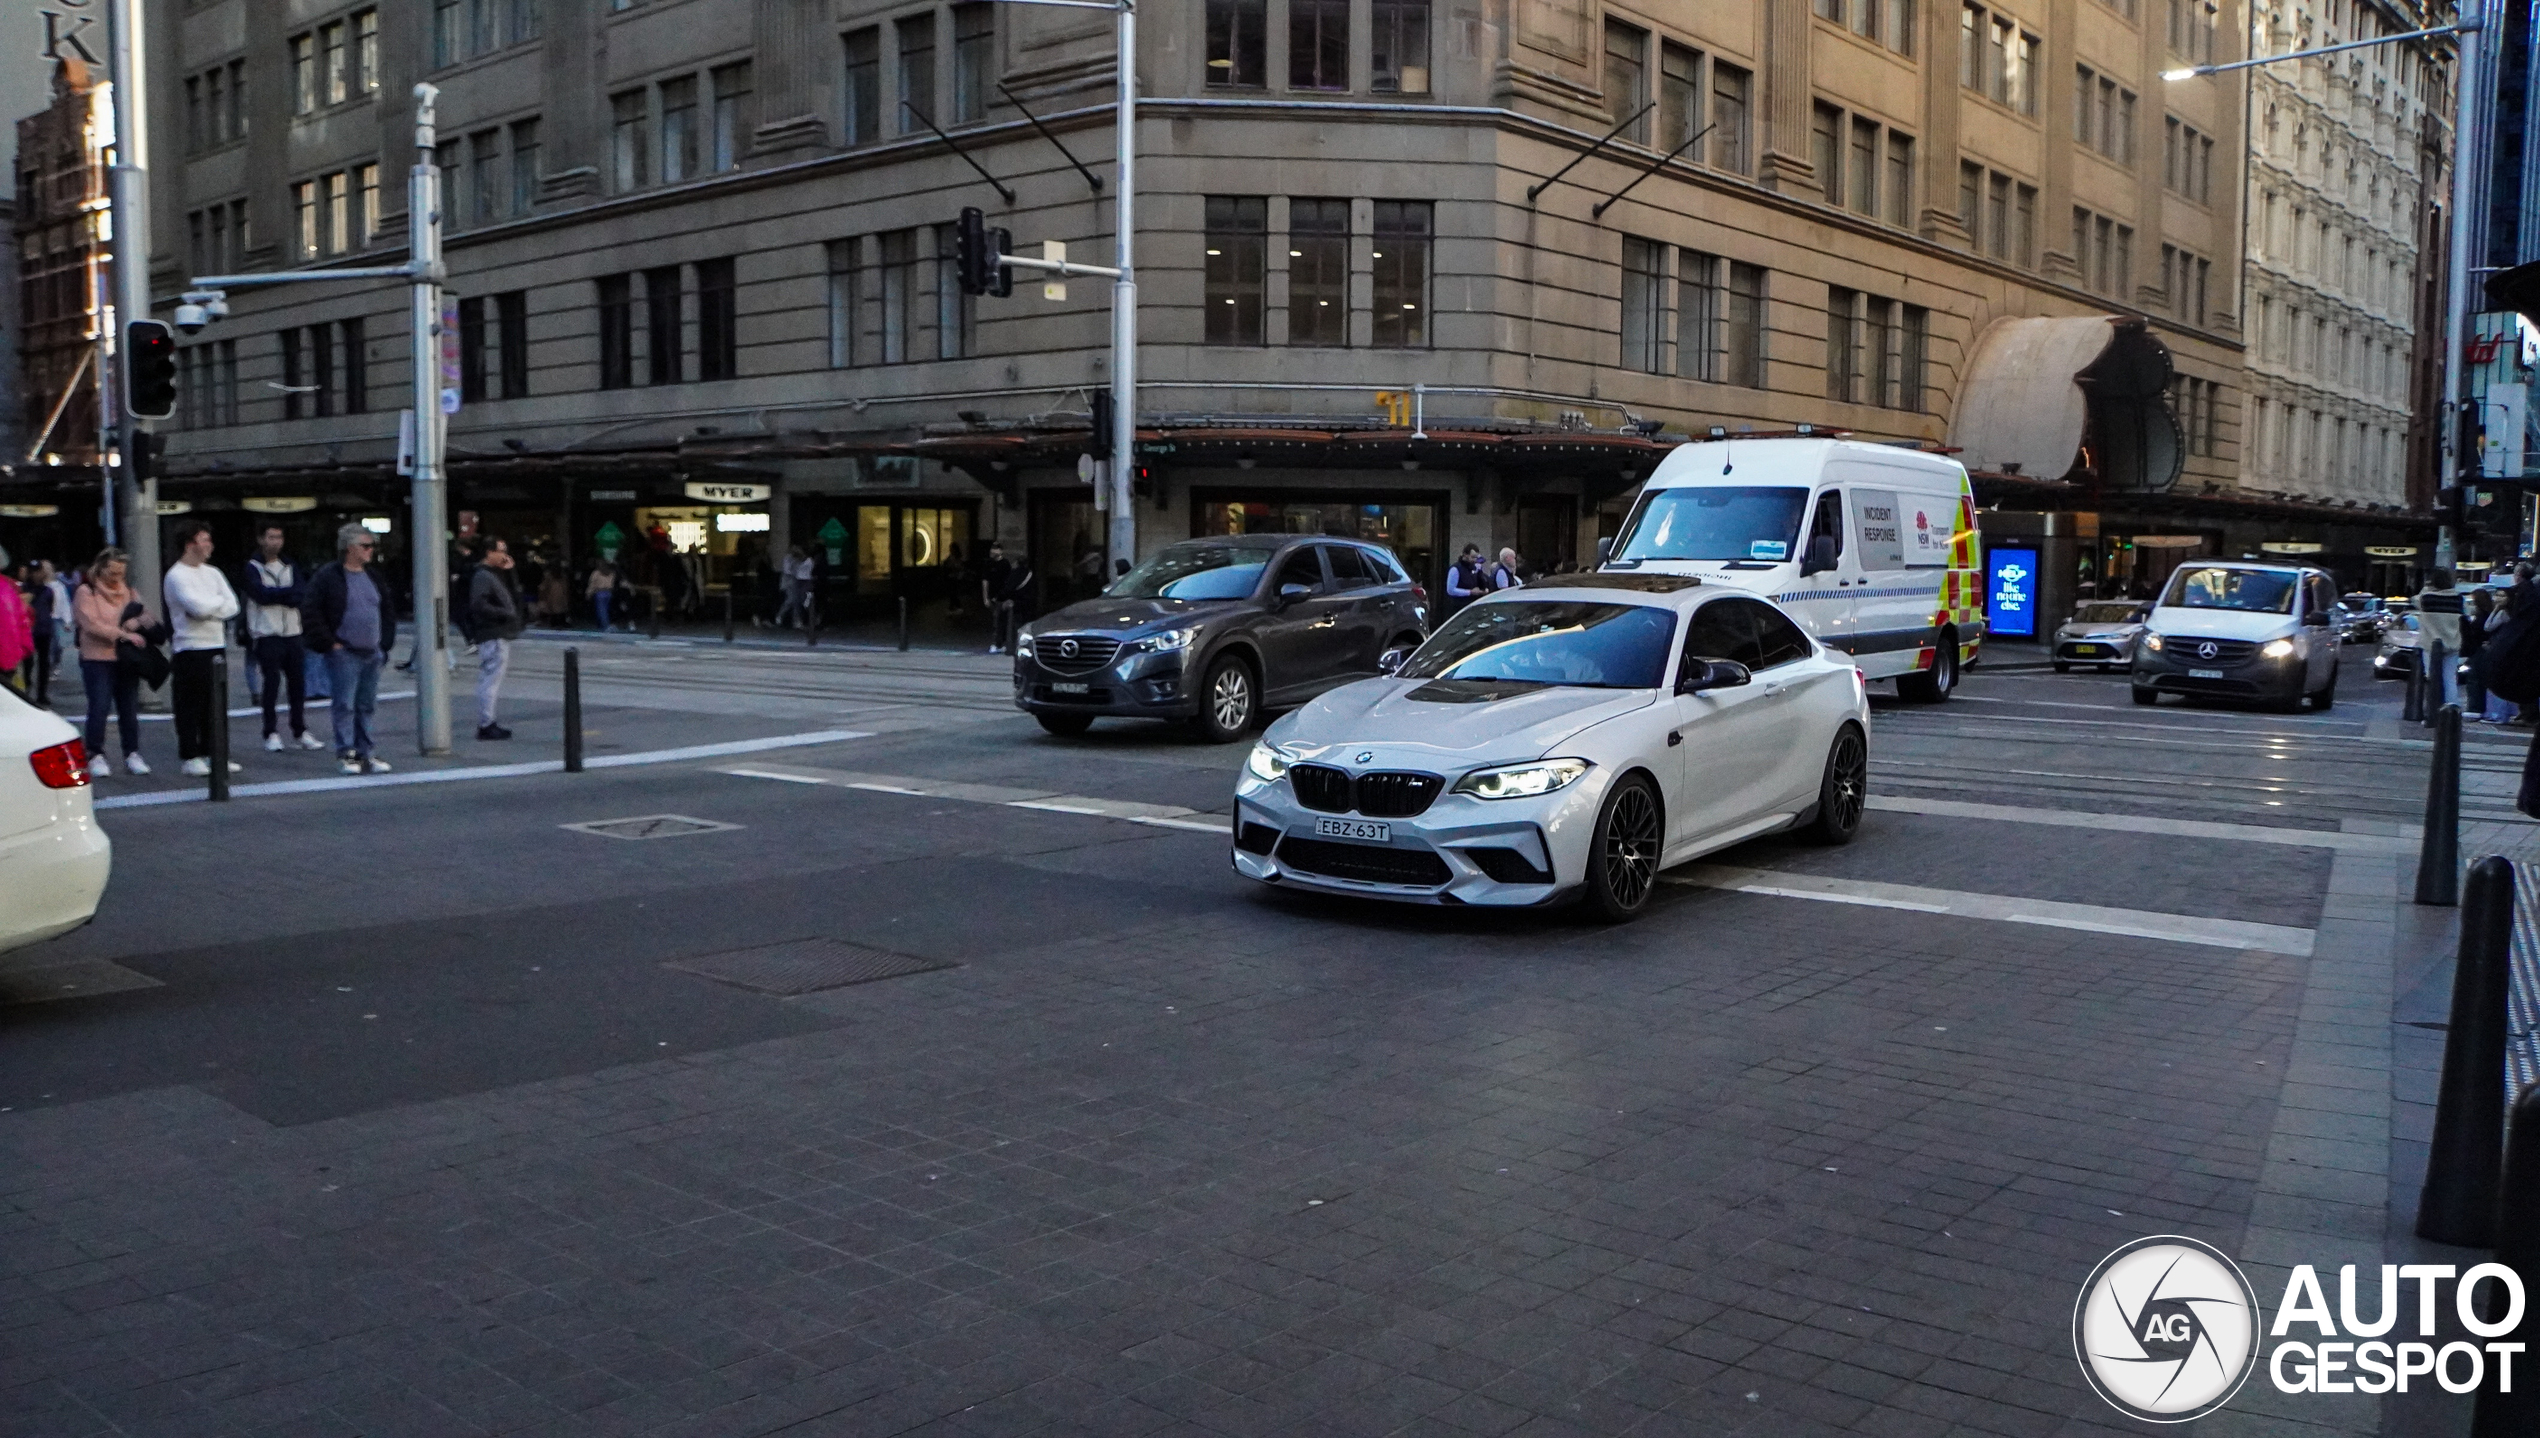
<point x="955" y="146"/>
<point x="1655" y="166"/>
<point x="1091" y="179"/>
<point x="1575" y="161"/>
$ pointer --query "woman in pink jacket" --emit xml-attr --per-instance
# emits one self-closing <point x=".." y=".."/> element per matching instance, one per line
<point x="17" y="629"/>
<point x="111" y="683"/>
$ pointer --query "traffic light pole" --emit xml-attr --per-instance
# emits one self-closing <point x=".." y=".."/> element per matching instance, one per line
<point x="1124" y="307"/>
<point x="2466" y="163"/>
<point x="136" y="493"/>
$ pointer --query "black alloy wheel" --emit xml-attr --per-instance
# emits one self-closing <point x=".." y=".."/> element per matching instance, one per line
<point x="2326" y="699"/>
<point x="1931" y="686"/>
<point x="1623" y="857"/>
<point x="1066" y="726"/>
<point x="2144" y="694"/>
<point x="1229" y="700"/>
<point x="1845" y="791"/>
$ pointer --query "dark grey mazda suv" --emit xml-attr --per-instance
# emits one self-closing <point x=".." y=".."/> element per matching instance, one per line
<point x="1214" y="631"/>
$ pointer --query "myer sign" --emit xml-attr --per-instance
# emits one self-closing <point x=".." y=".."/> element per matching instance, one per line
<point x="716" y="492"/>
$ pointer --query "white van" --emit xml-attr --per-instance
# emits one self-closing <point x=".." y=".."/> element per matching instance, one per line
<point x="1871" y="546"/>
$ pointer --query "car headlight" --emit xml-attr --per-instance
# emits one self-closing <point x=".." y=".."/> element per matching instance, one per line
<point x="1265" y="763"/>
<point x="1023" y="646"/>
<point x="1522" y="781"/>
<point x="2151" y="641"/>
<point x="2277" y="648"/>
<point x="1165" y="642"/>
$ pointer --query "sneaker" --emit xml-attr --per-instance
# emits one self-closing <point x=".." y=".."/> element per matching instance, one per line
<point x="375" y="766"/>
<point x="493" y="731"/>
<point x="198" y="768"/>
<point x="135" y="764"/>
<point x="311" y="741"/>
<point x="273" y="743"/>
<point x="98" y="768"/>
<point x="350" y="765"/>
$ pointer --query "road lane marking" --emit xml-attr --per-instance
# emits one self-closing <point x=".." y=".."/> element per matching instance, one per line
<point x="2093" y="918"/>
<point x="484" y="771"/>
<point x="2142" y="824"/>
<point x="1164" y="816"/>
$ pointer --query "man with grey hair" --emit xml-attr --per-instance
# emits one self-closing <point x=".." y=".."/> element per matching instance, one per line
<point x="350" y="621"/>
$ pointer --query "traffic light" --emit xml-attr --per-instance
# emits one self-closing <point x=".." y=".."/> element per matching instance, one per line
<point x="149" y="369"/>
<point x="1101" y="447"/>
<point x="1000" y="277"/>
<point x="976" y="250"/>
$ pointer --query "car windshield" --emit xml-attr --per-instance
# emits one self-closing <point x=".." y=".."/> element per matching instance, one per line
<point x="1594" y="646"/>
<point x="1745" y="521"/>
<point x="2256" y="591"/>
<point x="2116" y="612"/>
<point x="1195" y="571"/>
<point x="2359" y="603"/>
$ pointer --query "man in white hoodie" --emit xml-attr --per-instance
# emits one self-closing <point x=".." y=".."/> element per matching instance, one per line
<point x="200" y="606"/>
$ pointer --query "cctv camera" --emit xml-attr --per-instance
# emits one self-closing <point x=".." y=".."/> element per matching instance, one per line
<point x="191" y="318"/>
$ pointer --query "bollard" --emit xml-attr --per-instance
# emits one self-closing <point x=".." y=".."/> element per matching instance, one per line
<point x="572" y="710"/>
<point x="903" y="624"/>
<point x="652" y="614"/>
<point x="219" y="736"/>
<point x="811" y="622"/>
<point x="2412" y="698"/>
<point x="2516" y="1414"/>
<point x="2458" y="1203"/>
<point x="2437" y="660"/>
<point x="2439" y="855"/>
<point x="727" y="614"/>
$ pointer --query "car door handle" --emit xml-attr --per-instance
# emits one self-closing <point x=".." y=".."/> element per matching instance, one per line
<point x="1675" y="737"/>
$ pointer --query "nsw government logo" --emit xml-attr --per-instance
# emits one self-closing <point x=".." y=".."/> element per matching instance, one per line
<point x="2166" y="1329"/>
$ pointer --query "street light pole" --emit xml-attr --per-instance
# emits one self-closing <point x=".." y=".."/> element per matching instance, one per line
<point x="2465" y="192"/>
<point x="428" y="510"/>
<point x="136" y="493"/>
<point x="1124" y="307"/>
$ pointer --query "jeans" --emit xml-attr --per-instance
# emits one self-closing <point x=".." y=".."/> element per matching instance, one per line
<point x="600" y="602"/>
<point x="352" y="677"/>
<point x="493" y="657"/>
<point x="48" y="653"/>
<point x="112" y="687"/>
<point x="278" y="655"/>
<point x="190" y="697"/>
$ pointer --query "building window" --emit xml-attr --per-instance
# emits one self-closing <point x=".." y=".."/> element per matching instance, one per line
<point x="1997" y="59"/>
<point x="295" y="394"/>
<point x="472" y="349"/>
<point x="1627" y="78"/>
<point x="1825" y="149"/>
<point x="846" y="296"/>
<point x="335" y="68"/>
<point x="1900" y="178"/>
<point x="718" y="321"/>
<point x="1875" y="350"/>
<point x="1318" y="44"/>
<point x="1236" y="244"/>
<point x="1862" y="166"/>
<point x="1843" y="344"/>
<point x="899" y="295"/>
<point x="678" y="129"/>
<point x="511" y="315"/>
<point x="2105" y="251"/>
<point x="955" y="312"/>
<point x="664" y="353"/>
<point x="1235" y="48"/>
<point x="731" y="125"/>
<point x="916" y="36"/>
<point x="304" y="75"/>
<point x="861" y="92"/>
<point x="304" y="219"/>
<point x="366" y="51"/>
<point x="1679" y="100"/>
<point x="1732" y="91"/>
<point x="617" y="331"/>
<point x="449" y="36"/>
<point x="524" y="167"/>
<point x="2103" y="115"/>
<point x="2187" y="162"/>
<point x="974" y="60"/>
<point x="1318" y="272"/>
<point x="1643" y="316"/>
<point x="2192" y="25"/>
<point x="1404" y="231"/>
<point x="485" y="176"/>
<point x="1398" y="47"/>
<point x="630" y="140"/>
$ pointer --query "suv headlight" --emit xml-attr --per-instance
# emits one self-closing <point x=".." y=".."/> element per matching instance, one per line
<point x="1023" y="646"/>
<point x="1163" y="643"/>
<point x="2151" y="641"/>
<point x="1522" y="781"/>
<point x="2277" y="648"/>
<point x="1265" y="763"/>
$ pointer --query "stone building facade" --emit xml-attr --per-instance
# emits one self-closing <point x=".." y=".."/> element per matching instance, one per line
<point x="701" y="243"/>
<point x="58" y="227"/>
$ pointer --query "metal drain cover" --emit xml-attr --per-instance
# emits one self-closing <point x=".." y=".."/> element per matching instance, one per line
<point x="803" y="966"/>
<point x="77" y="979"/>
<point x="649" y="826"/>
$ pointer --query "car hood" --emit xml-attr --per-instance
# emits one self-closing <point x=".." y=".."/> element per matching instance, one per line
<point x="1449" y="722"/>
<point x="1126" y="616"/>
<point x="2220" y="623"/>
<point x="2102" y="631"/>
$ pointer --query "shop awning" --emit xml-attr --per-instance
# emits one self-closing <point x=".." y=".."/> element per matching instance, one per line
<point x="2047" y="396"/>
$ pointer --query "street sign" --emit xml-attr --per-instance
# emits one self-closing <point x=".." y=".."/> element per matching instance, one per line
<point x="2011" y="608"/>
<point x="833" y="538"/>
<point x="716" y="491"/>
<point x="449" y="356"/>
<point x="609" y="541"/>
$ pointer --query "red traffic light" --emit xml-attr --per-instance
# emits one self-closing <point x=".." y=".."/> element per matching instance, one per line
<point x="149" y="369"/>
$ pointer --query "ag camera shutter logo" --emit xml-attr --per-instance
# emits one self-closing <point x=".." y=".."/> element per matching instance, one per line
<point x="2166" y="1329"/>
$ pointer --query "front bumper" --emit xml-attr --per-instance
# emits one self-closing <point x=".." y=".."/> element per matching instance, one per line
<point x="2255" y="677"/>
<point x="1146" y="686"/>
<point x="2087" y="649"/>
<point x="1510" y="853"/>
<point x="2395" y="662"/>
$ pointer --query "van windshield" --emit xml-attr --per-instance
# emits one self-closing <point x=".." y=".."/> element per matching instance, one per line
<point x="1714" y="521"/>
<point x="2256" y="591"/>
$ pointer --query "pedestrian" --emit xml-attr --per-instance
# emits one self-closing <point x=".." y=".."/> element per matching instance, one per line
<point x="110" y="620"/>
<point x="200" y="606"/>
<point x="2476" y="613"/>
<point x="1506" y="574"/>
<point x="1006" y="588"/>
<point x="1467" y="579"/>
<point x="49" y="605"/>
<point x="349" y="618"/>
<point x="274" y="588"/>
<point x="2439" y="622"/>
<point x="602" y="589"/>
<point x="494" y="621"/>
<point x="954" y="572"/>
<point x="789" y="578"/>
<point x="17" y="631"/>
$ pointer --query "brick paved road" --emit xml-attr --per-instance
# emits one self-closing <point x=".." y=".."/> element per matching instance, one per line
<point x="1162" y="1154"/>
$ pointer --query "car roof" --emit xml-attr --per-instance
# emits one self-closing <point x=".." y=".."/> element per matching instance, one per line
<point x="1657" y="591"/>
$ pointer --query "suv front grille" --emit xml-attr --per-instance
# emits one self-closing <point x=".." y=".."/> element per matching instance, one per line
<point x="1384" y="794"/>
<point x="1093" y="651"/>
<point x="1364" y="862"/>
<point x="2190" y="650"/>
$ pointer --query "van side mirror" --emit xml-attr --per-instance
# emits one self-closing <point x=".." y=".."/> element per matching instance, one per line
<point x="1819" y="558"/>
<point x="1712" y="674"/>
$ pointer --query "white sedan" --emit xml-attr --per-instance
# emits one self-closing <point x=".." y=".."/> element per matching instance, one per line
<point x="1569" y="739"/>
<point x="53" y="857"/>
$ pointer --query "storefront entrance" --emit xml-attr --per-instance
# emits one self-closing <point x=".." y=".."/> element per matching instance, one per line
<point x="1067" y="538"/>
<point x="1411" y="525"/>
<point x="871" y="555"/>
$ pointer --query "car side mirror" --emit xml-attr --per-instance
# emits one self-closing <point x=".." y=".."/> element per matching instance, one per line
<point x="1714" y="674"/>
<point x="1391" y="660"/>
<point x="1288" y="594"/>
<point x="1820" y="556"/>
<point x="1605" y="549"/>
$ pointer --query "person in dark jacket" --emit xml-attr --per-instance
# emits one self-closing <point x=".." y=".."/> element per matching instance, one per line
<point x="493" y="621"/>
<point x="348" y="617"/>
<point x="272" y="587"/>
